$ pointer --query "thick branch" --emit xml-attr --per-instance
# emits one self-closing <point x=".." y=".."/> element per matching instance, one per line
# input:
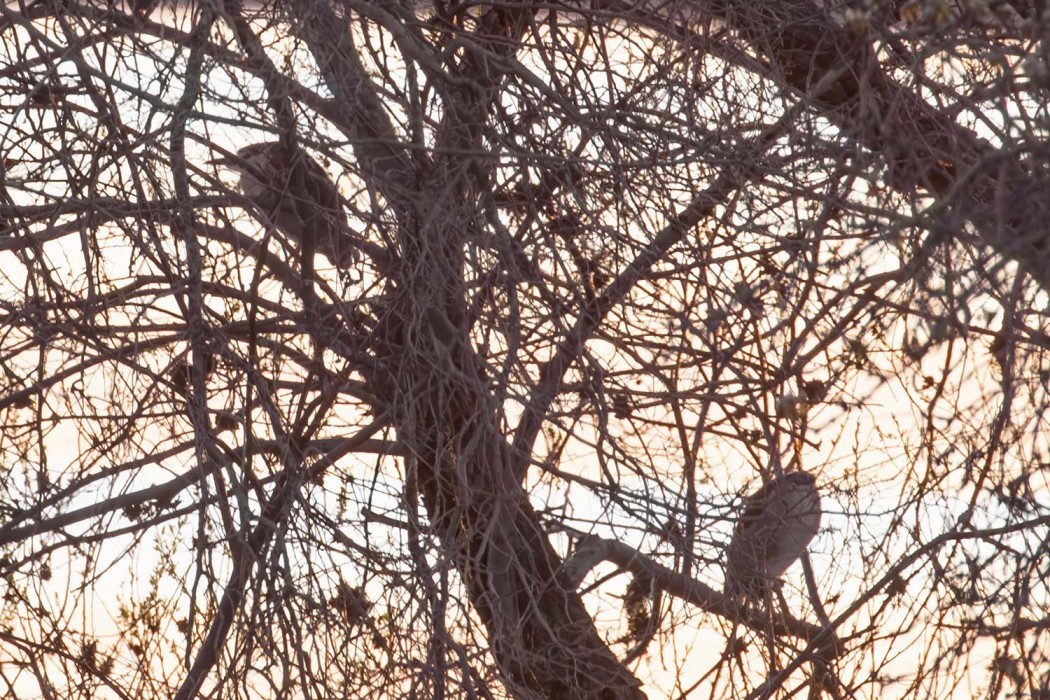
<point x="381" y="154"/>
<point x="1006" y="205"/>
<point x="593" y="549"/>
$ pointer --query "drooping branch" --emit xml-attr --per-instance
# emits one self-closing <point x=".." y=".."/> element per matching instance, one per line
<point x="926" y="151"/>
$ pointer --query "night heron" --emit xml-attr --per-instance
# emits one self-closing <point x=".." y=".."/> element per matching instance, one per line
<point x="299" y="200"/>
<point x="776" y="525"/>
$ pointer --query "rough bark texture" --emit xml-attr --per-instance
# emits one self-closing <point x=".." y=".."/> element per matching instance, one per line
<point x="542" y="636"/>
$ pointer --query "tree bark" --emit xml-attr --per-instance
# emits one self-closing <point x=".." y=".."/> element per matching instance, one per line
<point x="540" y="632"/>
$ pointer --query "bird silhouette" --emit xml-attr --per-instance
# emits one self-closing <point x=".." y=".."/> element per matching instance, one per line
<point x="297" y="195"/>
<point x="775" y="526"/>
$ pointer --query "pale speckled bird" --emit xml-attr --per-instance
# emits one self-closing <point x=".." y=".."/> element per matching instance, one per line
<point x="297" y="201"/>
<point x="776" y="525"/>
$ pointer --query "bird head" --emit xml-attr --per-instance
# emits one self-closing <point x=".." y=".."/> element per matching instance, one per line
<point x="799" y="480"/>
<point x="258" y="164"/>
<point x="264" y="153"/>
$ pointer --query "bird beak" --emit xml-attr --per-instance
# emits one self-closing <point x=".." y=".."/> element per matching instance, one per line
<point x="224" y="161"/>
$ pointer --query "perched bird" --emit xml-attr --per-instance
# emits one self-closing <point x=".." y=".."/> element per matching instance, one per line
<point x="298" y="196"/>
<point x="777" y="524"/>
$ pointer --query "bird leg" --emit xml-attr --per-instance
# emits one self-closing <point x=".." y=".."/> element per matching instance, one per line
<point x="771" y="641"/>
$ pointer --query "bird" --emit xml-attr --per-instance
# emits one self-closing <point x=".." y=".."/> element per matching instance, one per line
<point x="302" y="202"/>
<point x="774" y="529"/>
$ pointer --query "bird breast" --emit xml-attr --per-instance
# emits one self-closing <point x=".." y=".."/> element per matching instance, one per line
<point x="792" y="533"/>
<point x="258" y="192"/>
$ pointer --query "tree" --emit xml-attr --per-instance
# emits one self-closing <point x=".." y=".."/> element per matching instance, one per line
<point x="618" y="263"/>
